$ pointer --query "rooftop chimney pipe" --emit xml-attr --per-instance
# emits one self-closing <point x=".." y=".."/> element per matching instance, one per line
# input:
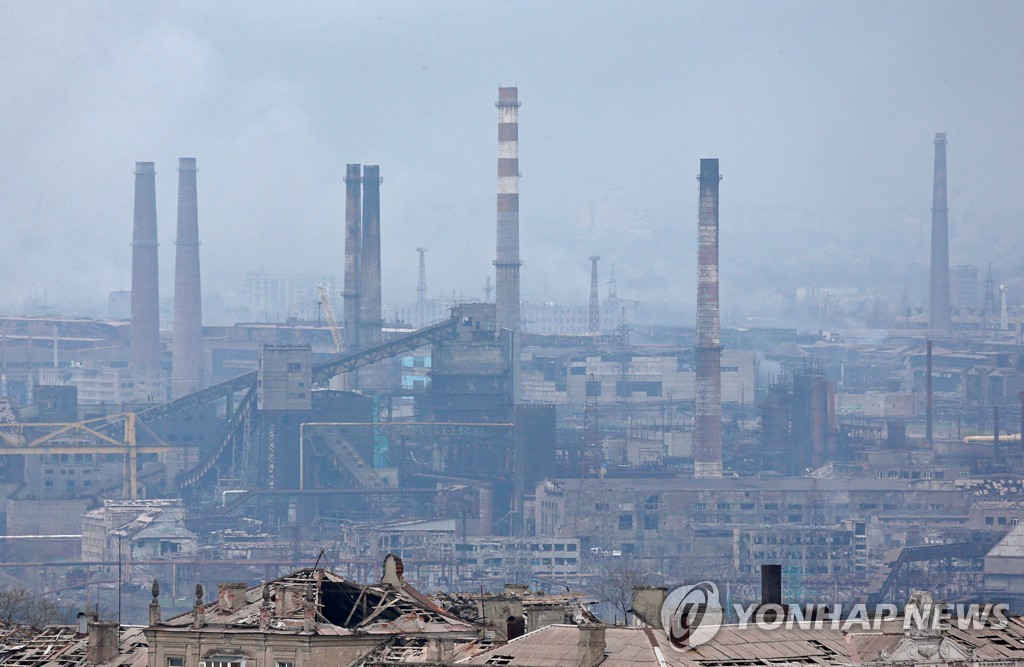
<point x="102" y="643"/>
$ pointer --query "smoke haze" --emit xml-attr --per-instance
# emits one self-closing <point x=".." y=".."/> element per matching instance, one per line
<point x="822" y="116"/>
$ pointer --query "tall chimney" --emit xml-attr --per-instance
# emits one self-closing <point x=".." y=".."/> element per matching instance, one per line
<point x="145" y="327"/>
<point x="594" y="315"/>
<point x="421" y="290"/>
<point x="707" y="439"/>
<point x="506" y="266"/>
<point x="938" y="299"/>
<point x="353" y="215"/>
<point x="928" y="394"/>
<point x="369" y="283"/>
<point x="187" y="349"/>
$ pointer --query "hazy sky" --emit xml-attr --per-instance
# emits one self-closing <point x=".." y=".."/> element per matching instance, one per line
<point x="822" y="114"/>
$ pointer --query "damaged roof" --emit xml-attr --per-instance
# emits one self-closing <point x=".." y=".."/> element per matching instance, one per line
<point x="63" y="646"/>
<point x="338" y="606"/>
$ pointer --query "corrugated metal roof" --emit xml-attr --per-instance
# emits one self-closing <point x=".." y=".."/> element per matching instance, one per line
<point x="1011" y="546"/>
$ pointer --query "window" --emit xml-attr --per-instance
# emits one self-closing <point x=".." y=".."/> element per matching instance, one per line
<point x="225" y="661"/>
<point x="284" y="663"/>
<point x="175" y="661"/>
<point x="650" y="522"/>
<point x="625" y="522"/>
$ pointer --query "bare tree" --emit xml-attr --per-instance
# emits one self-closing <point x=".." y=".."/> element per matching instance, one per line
<point x="616" y="587"/>
<point x="20" y="606"/>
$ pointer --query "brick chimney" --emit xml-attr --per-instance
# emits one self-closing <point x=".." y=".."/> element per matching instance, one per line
<point x="647" y="604"/>
<point x="497" y="610"/>
<point x="265" y="610"/>
<point x="542" y="615"/>
<point x="102" y="643"/>
<point x="230" y="596"/>
<point x="591" y="646"/>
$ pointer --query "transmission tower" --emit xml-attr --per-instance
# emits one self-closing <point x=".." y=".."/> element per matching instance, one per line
<point x="595" y="312"/>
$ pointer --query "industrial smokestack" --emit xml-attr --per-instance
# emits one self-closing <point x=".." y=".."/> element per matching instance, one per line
<point x="506" y="266"/>
<point x="594" y="316"/>
<point x="187" y="350"/>
<point x="369" y="282"/>
<point x="707" y="439"/>
<point x="353" y="239"/>
<point x="928" y="393"/>
<point x="421" y="290"/>
<point x="145" y="327"/>
<point x="938" y="298"/>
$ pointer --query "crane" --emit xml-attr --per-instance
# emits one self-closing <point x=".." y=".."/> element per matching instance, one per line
<point x="332" y="322"/>
<point x="15" y="441"/>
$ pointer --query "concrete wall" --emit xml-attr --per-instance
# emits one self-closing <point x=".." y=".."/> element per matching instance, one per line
<point x="44" y="517"/>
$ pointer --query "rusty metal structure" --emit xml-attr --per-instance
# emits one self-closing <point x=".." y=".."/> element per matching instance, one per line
<point x="187" y="349"/>
<point x="707" y="442"/>
<point x="353" y="215"/>
<point x="507" y="262"/>
<point x="594" y="314"/>
<point x="145" y="327"/>
<point x="938" y="299"/>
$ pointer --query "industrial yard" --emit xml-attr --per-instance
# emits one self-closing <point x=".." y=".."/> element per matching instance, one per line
<point x="510" y="469"/>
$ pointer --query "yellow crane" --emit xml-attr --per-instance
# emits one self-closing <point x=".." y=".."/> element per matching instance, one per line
<point x="15" y="442"/>
<point x="332" y="322"/>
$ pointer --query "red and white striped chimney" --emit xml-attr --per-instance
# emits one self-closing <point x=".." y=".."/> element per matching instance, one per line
<point x="507" y="262"/>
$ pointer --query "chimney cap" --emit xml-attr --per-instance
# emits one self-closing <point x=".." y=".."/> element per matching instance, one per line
<point x="145" y="168"/>
<point x="187" y="164"/>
